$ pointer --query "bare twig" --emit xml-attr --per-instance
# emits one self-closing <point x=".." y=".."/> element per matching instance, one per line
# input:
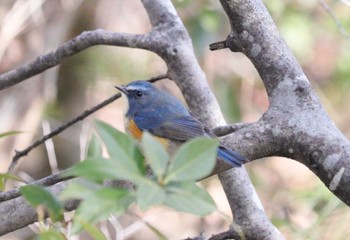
<point x="58" y="130"/>
<point x="157" y="78"/>
<point x="217" y="45"/>
<point x="85" y="114"/>
<point x="340" y="26"/>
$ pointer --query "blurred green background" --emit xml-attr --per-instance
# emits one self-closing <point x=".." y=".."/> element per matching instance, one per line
<point x="294" y="199"/>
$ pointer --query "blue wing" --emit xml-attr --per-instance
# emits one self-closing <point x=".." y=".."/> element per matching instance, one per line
<point x="180" y="128"/>
<point x="184" y="128"/>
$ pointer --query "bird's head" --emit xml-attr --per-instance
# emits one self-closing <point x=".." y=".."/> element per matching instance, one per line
<point x="139" y="94"/>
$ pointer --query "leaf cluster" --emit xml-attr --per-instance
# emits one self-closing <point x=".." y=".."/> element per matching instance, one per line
<point x="170" y="182"/>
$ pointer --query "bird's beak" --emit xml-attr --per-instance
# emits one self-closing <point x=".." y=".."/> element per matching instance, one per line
<point x="122" y="89"/>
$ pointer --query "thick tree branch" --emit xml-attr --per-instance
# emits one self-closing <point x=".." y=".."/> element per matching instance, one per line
<point x="249" y="212"/>
<point x="177" y="51"/>
<point x="296" y="123"/>
<point x="17" y="213"/>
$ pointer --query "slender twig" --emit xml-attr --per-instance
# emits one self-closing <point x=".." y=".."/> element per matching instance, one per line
<point x="24" y="152"/>
<point x="340" y="26"/>
<point x="157" y="78"/>
<point x="58" y="130"/>
<point x="217" y="45"/>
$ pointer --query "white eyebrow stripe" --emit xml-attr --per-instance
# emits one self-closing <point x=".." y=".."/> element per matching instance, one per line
<point x="136" y="88"/>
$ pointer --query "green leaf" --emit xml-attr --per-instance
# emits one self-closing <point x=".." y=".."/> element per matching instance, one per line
<point x="94" y="169"/>
<point x="9" y="133"/>
<point x="79" y="189"/>
<point x="102" y="169"/>
<point x="123" y="150"/>
<point x="51" y="234"/>
<point x="93" y="231"/>
<point x="94" y="149"/>
<point x="6" y="176"/>
<point x="194" y="160"/>
<point x="149" y="194"/>
<point x="188" y="197"/>
<point x="38" y="196"/>
<point x="99" y="205"/>
<point x="156" y="155"/>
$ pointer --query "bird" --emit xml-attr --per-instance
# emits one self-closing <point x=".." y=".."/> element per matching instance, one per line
<point x="166" y="118"/>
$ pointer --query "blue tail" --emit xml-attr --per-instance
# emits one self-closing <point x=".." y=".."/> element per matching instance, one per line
<point x="231" y="157"/>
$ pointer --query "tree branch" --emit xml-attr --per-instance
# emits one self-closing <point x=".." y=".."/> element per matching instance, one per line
<point x="177" y="51"/>
<point x="296" y="123"/>
<point x="249" y="212"/>
<point x="45" y="182"/>
<point x="74" y="46"/>
<point x="17" y="213"/>
<point x="60" y="129"/>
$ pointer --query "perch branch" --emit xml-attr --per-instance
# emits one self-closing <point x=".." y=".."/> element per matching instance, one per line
<point x="296" y="125"/>
<point x="177" y="52"/>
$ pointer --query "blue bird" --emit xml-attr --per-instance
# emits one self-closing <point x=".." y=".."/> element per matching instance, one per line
<point x="166" y="118"/>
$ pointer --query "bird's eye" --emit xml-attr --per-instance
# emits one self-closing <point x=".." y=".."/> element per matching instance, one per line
<point x="138" y="93"/>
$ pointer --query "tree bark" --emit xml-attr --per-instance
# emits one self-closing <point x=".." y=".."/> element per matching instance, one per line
<point x="296" y="125"/>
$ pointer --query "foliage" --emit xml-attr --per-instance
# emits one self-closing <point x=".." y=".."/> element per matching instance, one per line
<point x="172" y="182"/>
<point x="6" y="176"/>
<point x="39" y="198"/>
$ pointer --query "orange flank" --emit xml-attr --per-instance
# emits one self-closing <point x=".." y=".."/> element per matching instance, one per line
<point x="136" y="132"/>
